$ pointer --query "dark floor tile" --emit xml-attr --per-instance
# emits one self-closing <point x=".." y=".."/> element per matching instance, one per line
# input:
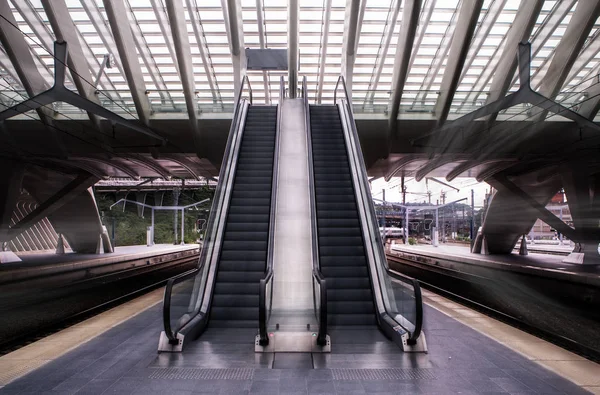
<point x="266" y="387"/>
<point x="512" y="385"/>
<point x="320" y="387"/>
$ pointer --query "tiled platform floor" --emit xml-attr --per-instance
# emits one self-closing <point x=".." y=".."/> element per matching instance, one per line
<point x="533" y="260"/>
<point x="124" y="360"/>
<point x="45" y="259"/>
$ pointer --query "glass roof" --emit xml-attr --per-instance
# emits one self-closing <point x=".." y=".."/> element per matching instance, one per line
<point x="375" y="57"/>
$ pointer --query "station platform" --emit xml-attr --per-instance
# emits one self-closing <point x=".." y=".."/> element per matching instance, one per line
<point x="539" y="264"/>
<point x="115" y="352"/>
<point x="45" y="264"/>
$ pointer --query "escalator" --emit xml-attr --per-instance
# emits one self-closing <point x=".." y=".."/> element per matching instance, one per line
<point x="243" y="256"/>
<point x="341" y="251"/>
<point x="223" y="291"/>
<point x="361" y="290"/>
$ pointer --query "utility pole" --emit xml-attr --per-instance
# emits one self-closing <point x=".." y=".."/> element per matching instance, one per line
<point x="403" y="190"/>
<point x="472" y="218"/>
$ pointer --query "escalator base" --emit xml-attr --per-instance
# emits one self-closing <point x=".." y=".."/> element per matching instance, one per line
<point x="292" y="342"/>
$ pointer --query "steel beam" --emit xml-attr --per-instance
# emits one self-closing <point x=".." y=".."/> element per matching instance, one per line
<point x="150" y="164"/>
<point x="552" y="21"/>
<point x="323" y="55"/>
<point x="65" y="31"/>
<point x="163" y="20"/>
<point x="146" y="55"/>
<point x="232" y="13"/>
<point x="350" y="41"/>
<point x="391" y="25"/>
<point x="433" y="164"/>
<point x="461" y="40"/>
<point x="519" y="31"/>
<point x="400" y="165"/>
<point x="568" y="49"/>
<point x="128" y="61"/>
<point x="112" y="163"/>
<point x="22" y="60"/>
<point x="202" y="48"/>
<point x="184" y="162"/>
<point x="293" y="37"/>
<point x="410" y="20"/>
<point x="186" y="70"/>
<point x="72" y="190"/>
<point x="60" y="93"/>
<point x="261" y="38"/>
<point x="27" y="11"/>
<point x="590" y="107"/>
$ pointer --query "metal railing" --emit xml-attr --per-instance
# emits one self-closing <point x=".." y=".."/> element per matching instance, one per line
<point x="204" y="276"/>
<point x="319" y="282"/>
<point x="265" y="295"/>
<point x="398" y="298"/>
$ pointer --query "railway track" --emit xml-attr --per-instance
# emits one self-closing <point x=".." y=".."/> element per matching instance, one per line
<point x="498" y="298"/>
<point x="85" y="299"/>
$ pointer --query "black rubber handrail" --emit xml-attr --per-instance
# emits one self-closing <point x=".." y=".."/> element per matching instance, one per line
<point x="264" y="311"/>
<point x="316" y="272"/>
<point x="172" y="336"/>
<point x="224" y="173"/>
<point x="418" y="303"/>
<point x="379" y="252"/>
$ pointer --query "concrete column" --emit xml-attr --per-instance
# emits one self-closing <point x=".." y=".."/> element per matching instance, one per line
<point x="11" y="177"/>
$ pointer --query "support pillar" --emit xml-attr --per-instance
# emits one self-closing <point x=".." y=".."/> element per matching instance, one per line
<point x="11" y="178"/>
<point x="182" y="226"/>
<point x="523" y="248"/>
<point x="100" y="245"/>
<point x="60" y="246"/>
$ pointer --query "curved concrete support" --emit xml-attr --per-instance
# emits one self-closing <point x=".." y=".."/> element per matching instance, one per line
<point x="399" y="165"/>
<point x="508" y="217"/>
<point x="77" y="220"/>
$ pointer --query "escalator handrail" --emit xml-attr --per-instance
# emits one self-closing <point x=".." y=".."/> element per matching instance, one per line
<point x="264" y="311"/>
<point x="316" y="271"/>
<point x="418" y="301"/>
<point x="217" y="202"/>
<point x="363" y="179"/>
<point x="167" y="300"/>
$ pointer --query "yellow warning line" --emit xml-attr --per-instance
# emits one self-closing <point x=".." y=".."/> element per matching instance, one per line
<point x="26" y="359"/>
<point x="579" y="370"/>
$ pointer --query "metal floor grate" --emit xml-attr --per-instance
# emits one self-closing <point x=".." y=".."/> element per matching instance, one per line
<point x="382" y="374"/>
<point x="202" y="374"/>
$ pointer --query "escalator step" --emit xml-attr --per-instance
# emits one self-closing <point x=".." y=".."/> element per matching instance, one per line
<point x="237" y="312"/>
<point x="350" y="307"/>
<point x="351" y="319"/>
<point x="235" y="301"/>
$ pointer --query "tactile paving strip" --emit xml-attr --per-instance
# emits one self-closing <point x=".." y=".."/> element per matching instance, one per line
<point x="382" y="374"/>
<point x="202" y="374"/>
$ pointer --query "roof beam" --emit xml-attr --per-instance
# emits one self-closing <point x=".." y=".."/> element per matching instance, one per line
<point x="323" y="55"/>
<point x="202" y="47"/>
<point x="461" y="40"/>
<point x="39" y="28"/>
<point x="519" y="31"/>
<point x="560" y="10"/>
<point x="293" y="22"/>
<point x="488" y="21"/>
<point x="20" y="56"/>
<point x="163" y="22"/>
<point x="410" y="20"/>
<point x="350" y="41"/>
<point x="130" y="67"/>
<point x="186" y="70"/>
<point x="261" y="38"/>
<point x="232" y="12"/>
<point x="390" y="26"/>
<point x="146" y="55"/>
<point x="568" y="49"/>
<point x="65" y="31"/>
